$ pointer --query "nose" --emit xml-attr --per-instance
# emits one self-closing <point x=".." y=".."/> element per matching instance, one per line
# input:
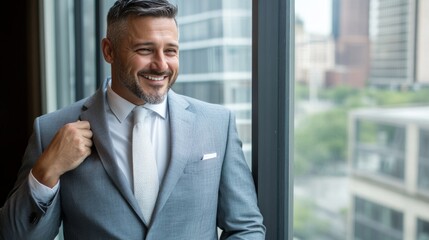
<point x="159" y="62"/>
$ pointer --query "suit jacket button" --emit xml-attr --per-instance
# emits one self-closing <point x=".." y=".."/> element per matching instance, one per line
<point x="33" y="218"/>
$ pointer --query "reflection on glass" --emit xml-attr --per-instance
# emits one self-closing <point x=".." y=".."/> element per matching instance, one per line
<point x="361" y="143"/>
<point x="215" y="57"/>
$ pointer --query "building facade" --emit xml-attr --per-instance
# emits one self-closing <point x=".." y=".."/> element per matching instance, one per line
<point x="389" y="174"/>
<point x="215" y="47"/>
<point x="350" y="30"/>
<point x="393" y="36"/>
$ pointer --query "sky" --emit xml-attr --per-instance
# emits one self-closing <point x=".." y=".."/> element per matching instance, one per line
<point x="316" y="15"/>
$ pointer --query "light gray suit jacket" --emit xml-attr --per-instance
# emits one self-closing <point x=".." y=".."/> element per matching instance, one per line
<point x="95" y="201"/>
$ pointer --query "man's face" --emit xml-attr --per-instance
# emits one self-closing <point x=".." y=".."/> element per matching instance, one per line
<point x="145" y="62"/>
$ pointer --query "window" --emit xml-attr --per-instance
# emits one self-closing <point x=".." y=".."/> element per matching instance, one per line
<point x="380" y="149"/>
<point x="422" y="230"/>
<point x="361" y="110"/>
<point x="215" y="57"/>
<point x="374" y="221"/>
<point x="69" y="50"/>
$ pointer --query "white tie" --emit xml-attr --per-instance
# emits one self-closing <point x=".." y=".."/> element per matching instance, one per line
<point x="145" y="173"/>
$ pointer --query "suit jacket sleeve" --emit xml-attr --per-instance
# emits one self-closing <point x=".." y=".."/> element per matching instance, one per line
<point x="238" y="213"/>
<point x="22" y="217"/>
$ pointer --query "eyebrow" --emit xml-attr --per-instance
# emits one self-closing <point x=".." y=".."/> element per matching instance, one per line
<point x="153" y="44"/>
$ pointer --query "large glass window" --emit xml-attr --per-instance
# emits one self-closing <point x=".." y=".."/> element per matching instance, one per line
<point x="361" y="110"/>
<point x="197" y="7"/>
<point x="69" y="50"/>
<point x="208" y="28"/>
<point x="215" y="57"/>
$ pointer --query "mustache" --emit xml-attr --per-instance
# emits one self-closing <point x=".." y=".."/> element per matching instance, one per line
<point x="153" y="72"/>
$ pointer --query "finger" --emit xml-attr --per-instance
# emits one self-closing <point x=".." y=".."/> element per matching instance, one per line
<point x="82" y="124"/>
<point x="87" y="133"/>
<point x="87" y="142"/>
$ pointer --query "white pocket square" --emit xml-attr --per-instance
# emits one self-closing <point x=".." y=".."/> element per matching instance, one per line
<point x="209" y="156"/>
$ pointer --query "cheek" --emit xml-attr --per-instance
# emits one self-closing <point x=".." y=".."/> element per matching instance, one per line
<point x="138" y="62"/>
<point x="174" y="65"/>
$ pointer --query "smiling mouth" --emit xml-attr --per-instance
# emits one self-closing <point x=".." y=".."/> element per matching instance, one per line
<point x="154" y="78"/>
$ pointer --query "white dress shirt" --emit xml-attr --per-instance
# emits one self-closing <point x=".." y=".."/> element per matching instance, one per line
<point x="120" y="121"/>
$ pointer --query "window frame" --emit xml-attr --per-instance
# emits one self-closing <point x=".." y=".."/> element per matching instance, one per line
<point x="272" y="113"/>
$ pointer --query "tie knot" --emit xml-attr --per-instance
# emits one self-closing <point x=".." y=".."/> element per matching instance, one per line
<point x="140" y="113"/>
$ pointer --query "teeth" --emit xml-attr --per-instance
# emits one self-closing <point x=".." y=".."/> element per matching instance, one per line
<point x="154" y="78"/>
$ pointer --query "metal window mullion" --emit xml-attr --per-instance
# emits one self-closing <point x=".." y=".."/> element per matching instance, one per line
<point x="272" y="113"/>
<point x="99" y="72"/>
<point x="79" y="48"/>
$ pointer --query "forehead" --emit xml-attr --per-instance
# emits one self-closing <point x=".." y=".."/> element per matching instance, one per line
<point x="148" y="26"/>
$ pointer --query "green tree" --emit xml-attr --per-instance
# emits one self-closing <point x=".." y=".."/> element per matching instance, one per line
<point x="321" y="139"/>
<point x="306" y="224"/>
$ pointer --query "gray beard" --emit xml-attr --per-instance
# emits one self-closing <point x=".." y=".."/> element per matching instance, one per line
<point x="150" y="98"/>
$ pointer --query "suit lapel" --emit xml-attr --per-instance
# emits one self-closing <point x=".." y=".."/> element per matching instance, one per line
<point x="95" y="112"/>
<point x="181" y="120"/>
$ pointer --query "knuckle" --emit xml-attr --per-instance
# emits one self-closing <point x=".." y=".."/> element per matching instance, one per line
<point x="81" y="151"/>
<point x="77" y="141"/>
<point x="68" y="126"/>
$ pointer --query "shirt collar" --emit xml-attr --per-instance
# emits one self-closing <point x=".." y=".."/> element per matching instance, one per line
<point x="121" y="108"/>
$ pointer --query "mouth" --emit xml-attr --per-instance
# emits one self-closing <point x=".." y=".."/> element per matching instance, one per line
<point x="154" y="78"/>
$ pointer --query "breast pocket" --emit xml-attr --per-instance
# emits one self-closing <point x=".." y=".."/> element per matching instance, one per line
<point x="207" y="165"/>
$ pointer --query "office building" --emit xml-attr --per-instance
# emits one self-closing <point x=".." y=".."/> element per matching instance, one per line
<point x="393" y="43"/>
<point x="215" y="47"/>
<point x="350" y="32"/>
<point x="389" y="180"/>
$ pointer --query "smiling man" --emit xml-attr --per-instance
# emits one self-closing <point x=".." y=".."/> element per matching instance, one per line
<point x="145" y="59"/>
<point x="88" y="168"/>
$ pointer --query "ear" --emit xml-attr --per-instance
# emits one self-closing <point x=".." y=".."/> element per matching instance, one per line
<point x="107" y="48"/>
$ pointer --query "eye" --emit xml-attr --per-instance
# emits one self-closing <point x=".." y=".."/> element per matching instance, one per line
<point x="171" y="52"/>
<point x="144" y="51"/>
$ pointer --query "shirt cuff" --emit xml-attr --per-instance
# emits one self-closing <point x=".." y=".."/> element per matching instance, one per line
<point x="41" y="193"/>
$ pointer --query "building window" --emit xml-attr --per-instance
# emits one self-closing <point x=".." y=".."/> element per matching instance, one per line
<point x="380" y="149"/>
<point x="422" y="230"/>
<point x="215" y="58"/>
<point x="374" y="221"/>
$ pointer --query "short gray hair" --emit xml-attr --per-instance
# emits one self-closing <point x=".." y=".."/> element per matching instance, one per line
<point x="122" y="9"/>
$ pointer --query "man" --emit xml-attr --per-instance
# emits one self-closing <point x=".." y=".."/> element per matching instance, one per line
<point x="78" y="167"/>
